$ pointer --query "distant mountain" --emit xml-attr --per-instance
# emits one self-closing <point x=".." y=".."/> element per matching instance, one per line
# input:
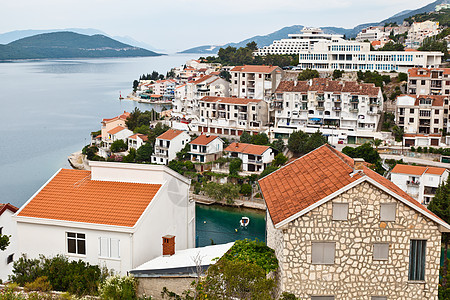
<point x="12" y="36"/>
<point x="69" y="45"/>
<point x="266" y="40"/>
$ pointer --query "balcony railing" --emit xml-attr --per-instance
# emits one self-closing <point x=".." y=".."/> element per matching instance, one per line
<point x="320" y="107"/>
<point x="354" y="110"/>
<point x="336" y="108"/>
<point x="412" y="182"/>
<point x="253" y="161"/>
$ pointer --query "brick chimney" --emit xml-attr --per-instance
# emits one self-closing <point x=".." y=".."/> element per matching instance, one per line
<point x="358" y="163"/>
<point x="168" y="245"/>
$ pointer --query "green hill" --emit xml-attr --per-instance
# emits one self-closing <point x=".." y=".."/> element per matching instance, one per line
<point x="69" y="45"/>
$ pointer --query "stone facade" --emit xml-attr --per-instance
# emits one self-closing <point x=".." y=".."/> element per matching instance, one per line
<point x="153" y="286"/>
<point x="355" y="275"/>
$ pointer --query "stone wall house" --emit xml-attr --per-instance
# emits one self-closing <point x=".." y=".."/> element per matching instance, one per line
<point x="342" y="231"/>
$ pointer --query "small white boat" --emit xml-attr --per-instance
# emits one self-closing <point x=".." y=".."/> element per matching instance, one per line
<point x="244" y="222"/>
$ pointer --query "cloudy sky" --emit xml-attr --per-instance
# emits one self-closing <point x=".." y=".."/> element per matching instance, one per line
<point x="181" y="24"/>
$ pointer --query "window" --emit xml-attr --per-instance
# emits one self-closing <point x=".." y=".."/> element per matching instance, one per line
<point x="1" y="230"/>
<point x="76" y="243"/>
<point x="380" y="251"/>
<point x="422" y="82"/>
<point x="378" y="298"/>
<point x="417" y="260"/>
<point x="323" y="253"/>
<point x="411" y="120"/>
<point x="109" y="247"/>
<point x="436" y="121"/>
<point x="340" y="211"/>
<point x="411" y="110"/>
<point x="10" y="259"/>
<point x="387" y="211"/>
<point x="194" y="147"/>
<point x="322" y="297"/>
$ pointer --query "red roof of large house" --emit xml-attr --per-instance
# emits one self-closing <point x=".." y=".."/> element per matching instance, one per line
<point x="5" y="206"/>
<point x="170" y="134"/>
<point x="417" y="170"/>
<point x="247" y="148"/>
<point x="320" y="173"/>
<point x="141" y="136"/>
<point x="123" y="116"/>
<point x="204" y="139"/>
<point x="116" y="130"/>
<point x="72" y="196"/>
<point x="254" y="69"/>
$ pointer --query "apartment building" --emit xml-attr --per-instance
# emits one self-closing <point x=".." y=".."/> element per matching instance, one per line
<point x="296" y="42"/>
<point x="325" y="103"/>
<point x="419" y="182"/>
<point x="206" y="148"/>
<point x="254" y="82"/>
<point x="424" y="81"/>
<point x="342" y="231"/>
<point x="422" y="117"/>
<point x="168" y="144"/>
<point x="232" y="116"/>
<point x="420" y="31"/>
<point x="340" y="54"/>
<point x="255" y="158"/>
<point x="371" y="34"/>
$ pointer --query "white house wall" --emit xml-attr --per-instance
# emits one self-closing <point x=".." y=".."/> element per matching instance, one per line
<point x="9" y="228"/>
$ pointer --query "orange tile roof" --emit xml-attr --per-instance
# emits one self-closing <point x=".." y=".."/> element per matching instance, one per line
<point x="247" y="148"/>
<point x="422" y="135"/>
<point x="312" y="177"/>
<point x="5" y="206"/>
<point x="116" y="130"/>
<point x="254" y="69"/>
<point x="376" y="43"/>
<point x="203" y="139"/>
<point x="417" y="170"/>
<point x="229" y="100"/>
<point x="123" y="116"/>
<point x="141" y="136"/>
<point x="438" y="100"/>
<point x="170" y="134"/>
<point x="72" y="196"/>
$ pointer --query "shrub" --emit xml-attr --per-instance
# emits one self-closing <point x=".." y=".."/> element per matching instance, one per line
<point x="419" y="149"/>
<point x="41" y="284"/>
<point x="288" y="296"/>
<point x="279" y="160"/>
<point x="413" y="149"/>
<point x="119" y="146"/>
<point x="246" y="189"/>
<point x="118" y="287"/>
<point x="235" y="166"/>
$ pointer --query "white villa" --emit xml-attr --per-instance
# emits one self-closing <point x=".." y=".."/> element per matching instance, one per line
<point x="255" y="158"/>
<point x="7" y="227"/>
<point x="168" y="144"/>
<point x="114" y="215"/>
<point x="206" y="148"/>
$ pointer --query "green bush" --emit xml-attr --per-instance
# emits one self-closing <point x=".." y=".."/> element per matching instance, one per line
<point x="279" y="160"/>
<point x="419" y="149"/>
<point x="118" y="287"/>
<point x="288" y="296"/>
<point x="413" y="149"/>
<point x="41" y="284"/>
<point x="235" y="166"/>
<point x="75" y="277"/>
<point x="246" y="189"/>
<point x="119" y="146"/>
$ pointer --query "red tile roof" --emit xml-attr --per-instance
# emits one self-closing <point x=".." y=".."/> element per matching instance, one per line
<point x="72" y="196"/>
<point x="141" y="136"/>
<point x="5" y="206"/>
<point x="254" y="69"/>
<point x="116" y="130"/>
<point x="437" y="100"/>
<point x="312" y="177"/>
<point x="170" y="134"/>
<point x="247" y="148"/>
<point x="229" y="100"/>
<point x="203" y="139"/>
<point x="123" y="116"/>
<point x="417" y="170"/>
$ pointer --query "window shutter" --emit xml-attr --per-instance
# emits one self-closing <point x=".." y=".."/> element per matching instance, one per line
<point x="104" y="247"/>
<point x="378" y="298"/>
<point x="380" y="251"/>
<point x="323" y="253"/>
<point x="115" y="243"/>
<point x="387" y="211"/>
<point x="340" y="211"/>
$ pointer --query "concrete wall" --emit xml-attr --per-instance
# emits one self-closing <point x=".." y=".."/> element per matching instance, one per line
<point x="153" y="286"/>
<point x="355" y="275"/>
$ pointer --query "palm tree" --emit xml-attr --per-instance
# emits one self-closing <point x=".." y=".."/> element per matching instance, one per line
<point x="376" y="143"/>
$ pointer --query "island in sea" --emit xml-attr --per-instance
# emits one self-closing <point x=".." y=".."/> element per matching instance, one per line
<point x="69" y="45"/>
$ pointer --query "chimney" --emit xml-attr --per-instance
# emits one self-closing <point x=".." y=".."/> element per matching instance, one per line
<point x="358" y="164"/>
<point x="237" y="145"/>
<point x="168" y="245"/>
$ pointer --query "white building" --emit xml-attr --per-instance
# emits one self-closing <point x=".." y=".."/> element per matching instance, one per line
<point x="137" y="140"/>
<point x="232" y="116"/>
<point x="420" y="31"/>
<point x="325" y="103"/>
<point x="168" y="144"/>
<point x="206" y="148"/>
<point x="114" y="215"/>
<point x="371" y="34"/>
<point x="422" y="116"/>
<point x="423" y="81"/>
<point x="419" y="182"/>
<point x="339" y="54"/>
<point x="254" y="81"/>
<point x="8" y="227"/>
<point x="297" y="42"/>
<point x="255" y="158"/>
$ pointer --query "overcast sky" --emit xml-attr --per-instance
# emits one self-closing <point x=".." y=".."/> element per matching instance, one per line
<point x="181" y="24"/>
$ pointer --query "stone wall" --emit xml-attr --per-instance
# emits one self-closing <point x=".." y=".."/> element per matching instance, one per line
<point x="274" y="240"/>
<point x="153" y="286"/>
<point x="355" y="275"/>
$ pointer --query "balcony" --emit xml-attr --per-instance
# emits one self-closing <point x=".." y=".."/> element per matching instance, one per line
<point x="354" y="110"/>
<point x="320" y="107"/>
<point x="277" y="105"/>
<point x="412" y="183"/>
<point x="253" y="161"/>
<point x="354" y="100"/>
<point x="336" y="108"/>
<point x="374" y="103"/>
<point x="164" y="155"/>
<point x="320" y="98"/>
<point x="372" y="113"/>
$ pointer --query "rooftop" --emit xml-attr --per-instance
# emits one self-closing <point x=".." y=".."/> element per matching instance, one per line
<point x="7" y="206"/>
<point x="170" y="134"/>
<point x="204" y="139"/>
<point x="116" y="130"/>
<point x="254" y="69"/>
<point x="417" y="170"/>
<point x="247" y="148"/>
<point x="71" y="195"/>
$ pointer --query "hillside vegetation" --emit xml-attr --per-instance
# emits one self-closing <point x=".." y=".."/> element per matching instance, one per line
<point x="68" y="45"/>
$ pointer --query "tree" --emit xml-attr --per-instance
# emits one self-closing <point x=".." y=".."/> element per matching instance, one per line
<point x="225" y="75"/>
<point x="118" y="146"/>
<point x="235" y="166"/>
<point x="402" y="77"/>
<point x="135" y="85"/>
<point x="131" y="157"/>
<point x="278" y="145"/>
<point x="144" y="153"/>
<point x="297" y="142"/>
<point x="252" y="46"/>
<point x="4" y="241"/>
<point x="279" y="160"/>
<point x="131" y="121"/>
<point x="390" y="46"/>
<point x="220" y="192"/>
<point x="315" y="141"/>
<point x="365" y="151"/>
<point x="308" y="74"/>
<point x="184" y="153"/>
<point x="337" y="74"/>
<point x="440" y="205"/>
<point x="376" y="143"/>
<point x="245" y="137"/>
<point x="260" y="139"/>
<point x="246" y="189"/>
<point x="398" y="133"/>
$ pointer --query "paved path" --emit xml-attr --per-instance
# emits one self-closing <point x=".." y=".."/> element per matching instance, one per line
<point x="418" y="161"/>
